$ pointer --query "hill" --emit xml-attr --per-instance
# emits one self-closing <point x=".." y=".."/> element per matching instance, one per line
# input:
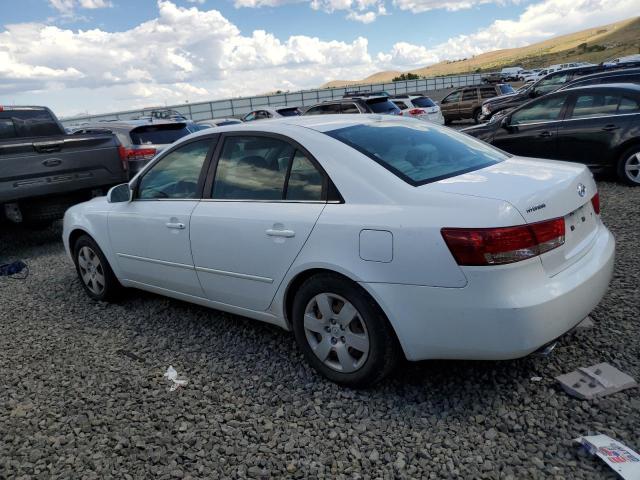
<point x="592" y="45"/>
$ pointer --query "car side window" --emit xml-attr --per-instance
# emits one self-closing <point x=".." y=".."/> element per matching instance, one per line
<point x="452" y="98"/>
<point x="487" y="92"/>
<point x="550" y="84"/>
<point x="305" y="181"/>
<point x="250" y="116"/>
<point x="543" y="110"/>
<point x="176" y="174"/>
<point x="469" y="95"/>
<point x="400" y="105"/>
<point x="628" y="105"/>
<point x="594" y="105"/>
<point x="349" y="108"/>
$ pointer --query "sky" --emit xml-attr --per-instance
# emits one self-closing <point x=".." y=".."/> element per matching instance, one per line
<point x="97" y="56"/>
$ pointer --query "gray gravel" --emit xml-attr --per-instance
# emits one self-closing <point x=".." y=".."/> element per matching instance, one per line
<point x="82" y="392"/>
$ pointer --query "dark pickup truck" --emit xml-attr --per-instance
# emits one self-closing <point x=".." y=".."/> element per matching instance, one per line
<point x="43" y="170"/>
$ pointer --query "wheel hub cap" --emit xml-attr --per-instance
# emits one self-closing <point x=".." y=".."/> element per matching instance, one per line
<point x="336" y="332"/>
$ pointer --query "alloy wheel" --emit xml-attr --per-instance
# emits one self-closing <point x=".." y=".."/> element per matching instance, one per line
<point x="91" y="270"/>
<point x="632" y="167"/>
<point x="336" y="332"/>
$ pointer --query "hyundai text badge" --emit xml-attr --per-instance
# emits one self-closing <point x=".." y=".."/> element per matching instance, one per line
<point x="582" y="190"/>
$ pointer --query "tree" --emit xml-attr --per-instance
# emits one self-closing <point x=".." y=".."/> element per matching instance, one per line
<point x="406" y="76"/>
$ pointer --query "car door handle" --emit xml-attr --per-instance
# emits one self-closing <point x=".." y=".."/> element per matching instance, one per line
<point x="280" y="233"/>
<point x="545" y="134"/>
<point x="609" y="128"/>
<point x="52" y="162"/>
<point x="176" y="225"/>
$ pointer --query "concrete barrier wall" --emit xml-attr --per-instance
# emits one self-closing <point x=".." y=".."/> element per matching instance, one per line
<point x="436" y="87"/>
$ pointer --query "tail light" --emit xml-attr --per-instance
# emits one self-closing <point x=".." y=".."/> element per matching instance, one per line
<point x="417" y="111"/>
<point x="502" y="245"/>
<point x="135" y="155"/>
<point x="595" y="201"/>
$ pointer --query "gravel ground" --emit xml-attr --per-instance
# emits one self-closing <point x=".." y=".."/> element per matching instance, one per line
<point x="82" y="393"/>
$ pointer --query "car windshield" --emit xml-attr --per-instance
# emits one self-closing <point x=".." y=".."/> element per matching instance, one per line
<point x="506" y="89"/>
<point x="383" y="105"/>
<point x="158" y="134"/>
<point x="416" y="152"/>
<point x="423" y="102"/>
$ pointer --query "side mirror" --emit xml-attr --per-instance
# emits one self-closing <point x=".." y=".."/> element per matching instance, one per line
<point x="504" y="123"/>
<point x="532" y="93"/>
<point x="119" y="194"/>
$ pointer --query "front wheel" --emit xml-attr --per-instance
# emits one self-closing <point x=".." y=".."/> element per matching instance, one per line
<point x="629" y="166"/>
<point x="476" y="116"/>
<point x="94" y="271"/>
<point x="342" y="332"/>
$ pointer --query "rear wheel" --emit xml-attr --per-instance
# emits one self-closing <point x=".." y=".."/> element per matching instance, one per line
<point x="628" y="167"/>
<point x="342" y="332"/>
<point x="94" y="271"/>
<point x="447" y="121"/>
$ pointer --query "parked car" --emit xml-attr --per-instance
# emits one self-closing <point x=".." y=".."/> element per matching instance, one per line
<point x="367" y="104"/>
<point x="265" y="113"/>
<point x="530" y="75"/>
<point x="44" y="170"/>
<point x="464" y="103"/>
<point x="545" y="85"/>
<point x="140" y="140"/>
<point x="420" y="107"/>
<point x="622" y="60"/>
<point x="510" y="74"/>
<point x="219" y="122"/>
<point x="598" y="125"/>
<point x="492" y="77"/>
<point x="371" y="237"/>
<point x="630" y="75"/>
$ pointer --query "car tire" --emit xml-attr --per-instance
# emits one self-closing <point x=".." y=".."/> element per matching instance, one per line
<point x="628" y="168"/>
<point x="356" y="347"/>
<point x="476" y="115"/>
<point x="447" y="121"/>
<point x="95" y="273"/>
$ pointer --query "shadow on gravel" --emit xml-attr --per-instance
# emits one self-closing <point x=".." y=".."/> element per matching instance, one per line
<point x="28" y="241"/>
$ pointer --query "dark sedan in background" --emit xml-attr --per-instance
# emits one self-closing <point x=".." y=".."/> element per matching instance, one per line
<point x="598" y="125"/>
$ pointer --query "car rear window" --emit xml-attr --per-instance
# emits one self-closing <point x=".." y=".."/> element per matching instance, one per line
<point x="419" y="153"/>
<point x="506" y="89"/>
<point x="25" y="123"/>
<point x="158" y="134"/>
<point x="289" y="112"/>
<point x="423" y="102"/>
<point x="382" y="105"/>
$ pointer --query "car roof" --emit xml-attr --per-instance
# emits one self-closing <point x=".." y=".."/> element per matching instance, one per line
<point x="126" y="124"/>
<point x="605" y="86"/>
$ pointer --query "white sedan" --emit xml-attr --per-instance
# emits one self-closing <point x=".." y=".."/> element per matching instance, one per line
<point x="420" y="107"/>
<point x="372" y="237"/>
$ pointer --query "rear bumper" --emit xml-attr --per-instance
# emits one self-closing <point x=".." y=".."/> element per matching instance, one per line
<point x="498" y="315"/>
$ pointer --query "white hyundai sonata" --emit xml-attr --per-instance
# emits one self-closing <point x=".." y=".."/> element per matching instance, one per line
<point x="371" y="237"/>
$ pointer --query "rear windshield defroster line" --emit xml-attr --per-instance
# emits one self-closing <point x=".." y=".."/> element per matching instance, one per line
<point x="419" y="154"/>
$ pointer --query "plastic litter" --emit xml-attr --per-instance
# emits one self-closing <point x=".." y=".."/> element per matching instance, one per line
<point x="172" y="375"/>
<point x="536" y="379"/>
<point x="595" y="381"/>
<point x="624" y="461"/>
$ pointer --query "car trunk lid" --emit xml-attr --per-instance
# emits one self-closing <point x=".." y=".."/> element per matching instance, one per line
<point x="540" y="190"/>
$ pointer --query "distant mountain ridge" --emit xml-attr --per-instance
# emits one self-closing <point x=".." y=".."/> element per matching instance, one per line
<point x="591" y="45"/>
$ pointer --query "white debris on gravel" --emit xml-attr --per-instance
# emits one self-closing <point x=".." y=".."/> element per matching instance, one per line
<point x="172" y="375"/>
<point x="595" y="381"/>
<point x="624" y="461"/>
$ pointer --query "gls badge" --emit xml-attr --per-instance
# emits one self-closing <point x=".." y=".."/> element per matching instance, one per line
<point x="582" y="190"/>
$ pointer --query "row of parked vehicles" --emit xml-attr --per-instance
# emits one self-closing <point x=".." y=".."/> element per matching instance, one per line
<point x="571" y="114"/>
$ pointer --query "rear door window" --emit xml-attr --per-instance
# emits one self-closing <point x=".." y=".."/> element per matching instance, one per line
<point x="382" y="105"/>
<point x="349" y="108"/>
<point x="400" y="105"/>
<point x="628" y="105"/>
<point x="158" y="134"/>
<point x="27" y="123"/>
<point x="469" y="95"/>
<point x="324" y="109"/>
<point x="289" y="112"/>
<point x="424" y="102"/>
<point x="418" y="153"/>
<point x="487" y="92"/>
<point x="595" y="105"/>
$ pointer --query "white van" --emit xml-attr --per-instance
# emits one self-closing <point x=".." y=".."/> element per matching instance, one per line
<point x="510" y="73"/>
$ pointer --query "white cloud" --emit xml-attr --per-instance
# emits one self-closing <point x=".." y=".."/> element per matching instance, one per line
<point x="419" y="6"/>
<point x="67" y="6"/>
<point x="193" y="54"/>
